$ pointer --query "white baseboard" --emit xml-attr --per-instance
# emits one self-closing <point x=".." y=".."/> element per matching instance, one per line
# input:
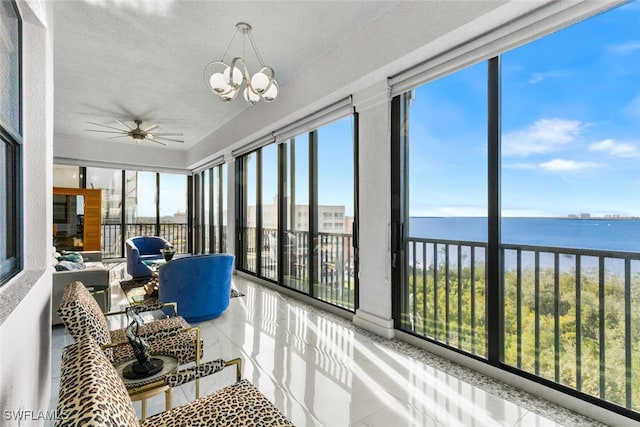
<point x="375" y="324"/>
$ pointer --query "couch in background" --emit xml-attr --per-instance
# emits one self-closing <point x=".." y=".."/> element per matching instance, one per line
<point x="140" y="249"/>
<point x="94" y="276"/>
<point x="200" y="284"/>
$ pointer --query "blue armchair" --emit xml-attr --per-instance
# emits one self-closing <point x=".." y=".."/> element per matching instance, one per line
<point x="140" y="249"/>
<point x="200" y="284"/>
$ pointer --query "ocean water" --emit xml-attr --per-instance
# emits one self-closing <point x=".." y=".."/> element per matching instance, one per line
<point x="600" y="234"/>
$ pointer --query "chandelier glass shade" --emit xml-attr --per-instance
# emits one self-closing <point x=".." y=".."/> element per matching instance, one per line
<point x="226" y="80"/>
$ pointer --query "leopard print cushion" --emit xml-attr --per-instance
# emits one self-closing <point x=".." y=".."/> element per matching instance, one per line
<point x="81" y="314"/>
<point x="240" y="404"/>
<point x="186" y="375"/>
<point x="91" y="393"/>
<point x="160" y="328"/>
<point x="181" y="346"/>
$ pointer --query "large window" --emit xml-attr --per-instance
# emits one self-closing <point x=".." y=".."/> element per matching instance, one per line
<point x="269" y="209"/>
<point x="297" y="205"/>
<point x="296" y="235"/>
<point x="516" y="210"/>
<point x="444" y="293"/>
<point x="210" y="204"/>
<point x="10" y="143"/>
<point x="172" y="210"/>
<point x="134" y="203"/>
<point x="249" y="235"/>
<point x="110" y="182"/>
<point x="334" y="278"/>
<point x="571" y="206"/>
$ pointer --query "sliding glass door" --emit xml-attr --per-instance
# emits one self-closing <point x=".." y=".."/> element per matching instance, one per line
<point x="445" y="227"/>
<point x="296" y="201"/>
<point x="210" y="210"/>
<point x="333" y="225"/>
<point x="297" y="213"/>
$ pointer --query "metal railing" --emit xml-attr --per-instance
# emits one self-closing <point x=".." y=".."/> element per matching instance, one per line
<point x="112" y="236"/>
<point x="569" y="314"/>
<point x="334" y="280"/>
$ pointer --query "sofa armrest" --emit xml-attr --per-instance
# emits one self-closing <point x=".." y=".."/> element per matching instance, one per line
<point x="91" y="256"/>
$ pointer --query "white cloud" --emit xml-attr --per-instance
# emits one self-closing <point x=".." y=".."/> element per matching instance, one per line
<point x="561" y="165"/>
<point x="542" y="136"/>
<point x="632" y="109"/>
<point x="625" y="48"/>
<point x="553" y="74"/>
<point x="520" y="166"/>
<point x="616" y="149"/>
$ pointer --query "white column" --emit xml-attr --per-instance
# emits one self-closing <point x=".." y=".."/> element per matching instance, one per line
<point x="374" y="311"/>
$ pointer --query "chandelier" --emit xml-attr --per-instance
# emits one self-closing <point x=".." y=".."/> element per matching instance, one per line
<point x="226" y="80"/>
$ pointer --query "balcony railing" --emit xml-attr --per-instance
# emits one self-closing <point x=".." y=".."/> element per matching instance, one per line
<point x="570" y="315"/>
<point x="176" y="233"/>
<point x="334" y="280"/>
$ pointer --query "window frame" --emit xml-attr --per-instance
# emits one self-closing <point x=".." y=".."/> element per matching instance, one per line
<point x="12" y="142"/>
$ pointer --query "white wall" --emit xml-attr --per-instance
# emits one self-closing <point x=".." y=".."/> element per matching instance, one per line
<point x="25" y="311"/>
<point x="69" y="150"/>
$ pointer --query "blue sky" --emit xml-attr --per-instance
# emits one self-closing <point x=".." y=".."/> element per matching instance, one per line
<point x="570" y="127"/>
<point x="335" y="167"/>
<point x="173" y="199"/>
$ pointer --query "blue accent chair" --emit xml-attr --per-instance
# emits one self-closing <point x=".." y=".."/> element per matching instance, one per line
<point x="140" y="249"/>
<point x="200" y="284"/>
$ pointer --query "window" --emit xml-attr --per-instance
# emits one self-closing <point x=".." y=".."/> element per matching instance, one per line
<point x="249" y="202"/>
<point x="334" y="278"/>
<point x="110" y="182"/>
<point x="269" y="207"/>
<point x="443" y="296"/>
<point x="556" y="256"/>
<point x="172" y="210"/>
<point x="10" y="143"/>
<point x="297" y="211"/>
<point x="571" y="206"/>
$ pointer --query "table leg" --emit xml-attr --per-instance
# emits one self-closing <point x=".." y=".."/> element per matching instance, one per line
<point x="167" y="399"/>
<point x="143" y="402"/>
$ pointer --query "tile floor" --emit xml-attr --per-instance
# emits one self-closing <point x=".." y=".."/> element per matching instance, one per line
<point x="321" y="370"/>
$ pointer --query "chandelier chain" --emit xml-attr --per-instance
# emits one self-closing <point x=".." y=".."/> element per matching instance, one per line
<point x="255" y="49"/>
<point x="229" y="45"/>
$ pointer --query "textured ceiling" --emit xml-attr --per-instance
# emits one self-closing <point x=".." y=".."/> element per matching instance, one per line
<point x="125" y="60"/>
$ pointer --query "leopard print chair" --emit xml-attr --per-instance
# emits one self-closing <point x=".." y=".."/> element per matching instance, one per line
<point x="81" y="314"/>
<point x="91" y="393"/>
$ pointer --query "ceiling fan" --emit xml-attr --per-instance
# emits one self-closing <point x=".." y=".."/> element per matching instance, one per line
<point x="136" y="133"/>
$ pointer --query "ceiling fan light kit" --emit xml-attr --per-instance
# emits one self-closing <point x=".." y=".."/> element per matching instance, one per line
<point x="226" y="80"/>
<point x="137" y="133"/>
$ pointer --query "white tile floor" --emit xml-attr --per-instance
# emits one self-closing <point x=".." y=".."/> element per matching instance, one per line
<point x="320" y="370"/>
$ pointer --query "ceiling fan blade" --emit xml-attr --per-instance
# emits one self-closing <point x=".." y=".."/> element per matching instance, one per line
<point x="167" y="134"/>
<point x="124" y="124"/>
<point x="168" y="139"/>
<point x="150" y="128"/>
<point x="110" y="127"/>
<point x="120" y="136"/>
<point x="106" y="131"/>
<point x="159" y="142"/>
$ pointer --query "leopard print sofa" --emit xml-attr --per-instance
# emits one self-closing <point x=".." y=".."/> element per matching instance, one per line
<point x="81" y="313"/>
<point x="92" y="394"/>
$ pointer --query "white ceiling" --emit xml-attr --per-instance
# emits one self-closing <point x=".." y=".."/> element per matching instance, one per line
<point x="135" y="59"/>
<point x="144" y="59"/>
